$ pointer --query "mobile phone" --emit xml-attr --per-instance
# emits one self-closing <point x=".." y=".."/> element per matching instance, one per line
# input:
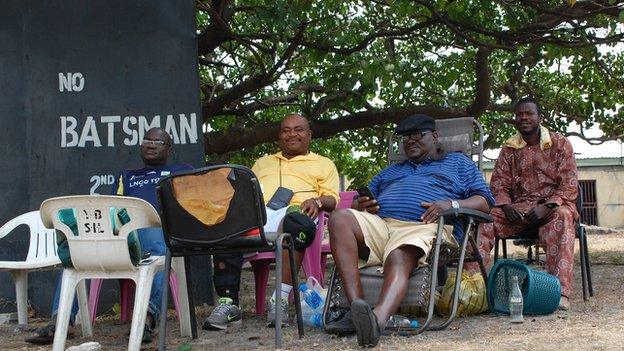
<point x="365" y="191"/>
<point x="280" y="199"/>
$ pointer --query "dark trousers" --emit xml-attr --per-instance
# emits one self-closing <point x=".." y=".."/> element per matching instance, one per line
<point x="227" y="274"/>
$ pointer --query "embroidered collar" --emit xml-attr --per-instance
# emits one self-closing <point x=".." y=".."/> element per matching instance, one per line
<point x="516" y="141"/>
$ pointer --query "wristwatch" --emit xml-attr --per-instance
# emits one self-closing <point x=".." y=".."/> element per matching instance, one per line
<point x="318" y="203"/>
<point x="454" y="204"/>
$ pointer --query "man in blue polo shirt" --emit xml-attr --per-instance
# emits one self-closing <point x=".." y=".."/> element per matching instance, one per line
<point x="396" y="228"/>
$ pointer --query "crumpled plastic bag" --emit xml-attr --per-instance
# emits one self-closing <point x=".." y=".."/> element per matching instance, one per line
<point x="472" y="295"/>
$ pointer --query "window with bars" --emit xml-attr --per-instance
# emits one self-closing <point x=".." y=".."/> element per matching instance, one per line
<point x="589" y="212"/>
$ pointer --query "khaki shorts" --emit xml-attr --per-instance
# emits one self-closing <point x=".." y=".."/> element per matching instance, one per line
<point x="382" y="236"/>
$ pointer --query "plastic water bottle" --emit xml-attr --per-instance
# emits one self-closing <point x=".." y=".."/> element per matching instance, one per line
<point x="311" y="297"/>
<point x="401" y="322"/>
<point x="316" y="286"/>
<point x="515" y="302"/>
<point x="311" y="307"/>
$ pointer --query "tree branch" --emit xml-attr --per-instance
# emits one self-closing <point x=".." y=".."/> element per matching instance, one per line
<point x="252" y="83"/>
<point x="218" y="32"/>
<point x="220" y="142"/>
<point x="482" y="88"/>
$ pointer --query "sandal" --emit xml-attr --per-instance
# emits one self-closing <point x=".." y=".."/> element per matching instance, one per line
<point x="45" y="335"/>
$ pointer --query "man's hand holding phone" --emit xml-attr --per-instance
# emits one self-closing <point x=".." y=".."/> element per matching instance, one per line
<point x="366" y="201"/>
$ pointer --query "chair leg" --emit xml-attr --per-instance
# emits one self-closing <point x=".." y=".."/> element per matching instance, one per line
<point x="590" y="285"/>
<point x="83" y="309"/>
<point x="139" y="313"/>
<point x="126" y="295"/>
<point x="328" y="298"/>
<point x="94" y="297"/>
<point x="477" y="254"/>
<point x="297" y="296"/>
<point x="261" y="275"/>
<point x="583" y="271"/>
<point x="312" y="256"/>
<point x="68" y="289"/>
<point x="435" y="259"/>
<point x="173" y="286"/>
<point x="278" y="283"/>
<point x="460" y="266"/>
<point x="323" y="268"/>
<point x="496" y="241"/>
<point x="20" y="277"/>
<point x="584" y="263"/>
<point x="162" y="333"/>
<point x="184" y="314"/>
<point x="504" y="241"/>
<point x="187" y="269"/>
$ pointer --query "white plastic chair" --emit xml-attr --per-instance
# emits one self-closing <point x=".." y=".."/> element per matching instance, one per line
<point x="97" y="252"/>
<point x="41" y="256"/>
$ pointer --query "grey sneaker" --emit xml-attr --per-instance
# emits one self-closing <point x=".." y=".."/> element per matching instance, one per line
<point x="271" y="313"/>
<point x="224" y="314"/>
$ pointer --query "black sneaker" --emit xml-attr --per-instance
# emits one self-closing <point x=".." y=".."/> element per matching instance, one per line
<point x="224" y="314"/>
<point x="343" y="327"/>
<point x="366" y="325"/>
<point x="148" y="332"/>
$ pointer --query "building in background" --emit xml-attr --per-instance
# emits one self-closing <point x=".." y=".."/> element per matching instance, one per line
<point x="602" y="187"/>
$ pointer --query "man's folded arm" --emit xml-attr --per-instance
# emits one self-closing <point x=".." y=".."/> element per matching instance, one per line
<point x="475" y="202"/>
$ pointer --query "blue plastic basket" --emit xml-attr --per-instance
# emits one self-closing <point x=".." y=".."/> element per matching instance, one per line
<point x="540" y="291"/>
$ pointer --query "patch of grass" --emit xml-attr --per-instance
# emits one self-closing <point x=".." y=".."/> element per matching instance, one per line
<point x="617" y="259"/>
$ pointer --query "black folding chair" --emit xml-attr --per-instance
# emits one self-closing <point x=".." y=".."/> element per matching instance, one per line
<point x="530" y="238"/>
<point x="211" y="211"/>
<point x="456" y="135"/>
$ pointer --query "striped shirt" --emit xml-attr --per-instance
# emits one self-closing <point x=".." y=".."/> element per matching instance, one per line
<point x="400" y="188"/>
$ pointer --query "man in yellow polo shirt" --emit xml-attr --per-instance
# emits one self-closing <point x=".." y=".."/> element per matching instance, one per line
<point x="310" y="182"/>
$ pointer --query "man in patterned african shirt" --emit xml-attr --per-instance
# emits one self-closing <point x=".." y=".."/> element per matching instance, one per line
<point x="535" y="184"/>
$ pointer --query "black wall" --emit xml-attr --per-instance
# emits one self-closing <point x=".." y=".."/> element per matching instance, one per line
<point x="80" y="83"/>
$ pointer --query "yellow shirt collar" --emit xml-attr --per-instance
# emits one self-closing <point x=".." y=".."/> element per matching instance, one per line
<point x="517" y="142"/>
<point x="309" y="156"/>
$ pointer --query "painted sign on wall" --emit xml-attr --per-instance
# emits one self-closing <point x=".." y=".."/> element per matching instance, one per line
<point x="80" y="84"/>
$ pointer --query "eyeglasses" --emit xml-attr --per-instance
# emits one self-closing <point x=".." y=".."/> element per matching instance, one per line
<point x="157" y="143"/>
<point x="415" y="136"/>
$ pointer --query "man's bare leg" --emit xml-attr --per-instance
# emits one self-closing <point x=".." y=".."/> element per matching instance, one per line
<point x="347" y="245"/>
<point x="397" y="268"/>
<point x="286" y="269"/>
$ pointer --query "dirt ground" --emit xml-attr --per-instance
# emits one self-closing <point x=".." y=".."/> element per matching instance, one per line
<point x="597" y="324"/>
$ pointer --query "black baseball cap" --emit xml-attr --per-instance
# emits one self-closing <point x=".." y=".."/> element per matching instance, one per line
<point x="301" y="227"/>
<point x="415" y="123"/>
